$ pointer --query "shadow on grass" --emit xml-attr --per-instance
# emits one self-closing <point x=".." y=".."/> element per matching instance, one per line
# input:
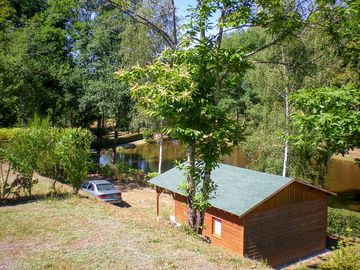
<point x="123" y="204"/>
<point x="29" y="199"/>
<point x="129" y="186"/>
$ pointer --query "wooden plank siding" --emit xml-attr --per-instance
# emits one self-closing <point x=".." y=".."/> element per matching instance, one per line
<point x="288" y="226"/>
<point x="232" y="229"/>
<point x="285" y="227"/>
<point x="293" y="193"/>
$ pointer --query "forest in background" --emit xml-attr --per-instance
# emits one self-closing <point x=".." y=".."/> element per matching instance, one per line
<point x="58" y="58"/>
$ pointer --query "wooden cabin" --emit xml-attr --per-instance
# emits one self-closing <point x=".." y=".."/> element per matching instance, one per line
<point x="257" y="215"/>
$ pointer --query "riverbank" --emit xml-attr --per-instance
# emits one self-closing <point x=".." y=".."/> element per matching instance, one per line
<point x="353" y="154"/>
<point x="130" y="145"/>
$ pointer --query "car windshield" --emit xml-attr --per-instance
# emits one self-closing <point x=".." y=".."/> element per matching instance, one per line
<point x="102" y="187"/>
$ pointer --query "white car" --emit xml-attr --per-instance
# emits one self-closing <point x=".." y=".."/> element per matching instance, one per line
<point x="103" y="190"/>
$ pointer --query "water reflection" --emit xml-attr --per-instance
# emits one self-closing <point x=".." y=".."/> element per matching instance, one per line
<point x="146" y="156"/>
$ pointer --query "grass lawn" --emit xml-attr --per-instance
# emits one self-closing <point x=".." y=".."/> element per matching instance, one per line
<point x="77" y="232"/>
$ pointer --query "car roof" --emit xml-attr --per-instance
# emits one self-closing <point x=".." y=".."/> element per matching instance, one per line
<point x="99" y="182"/>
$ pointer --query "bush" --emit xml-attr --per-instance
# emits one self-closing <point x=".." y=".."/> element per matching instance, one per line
<point x="345" y="258"/>
<point x="123" y="173"/>
<point x="109" y="171"/>
<point x="72" y="152"/>
<point x="22" y="151"/>
<point x="152" y="175"/>
<point x="7" y="134"/>
<point x="94" y="167"/>
<point x="137" y="176"/>
<point x="60" y="153"/>
<point x="148" y="136"/>
<point x="340" y="220"/>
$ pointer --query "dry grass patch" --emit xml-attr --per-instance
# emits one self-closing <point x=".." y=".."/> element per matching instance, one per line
<point x="77" y="232"/>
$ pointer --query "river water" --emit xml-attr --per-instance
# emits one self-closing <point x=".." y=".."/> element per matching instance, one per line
<point x="343" y="174"/>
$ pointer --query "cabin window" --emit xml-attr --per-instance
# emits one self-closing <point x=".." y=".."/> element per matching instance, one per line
<point x="217" y="227"/>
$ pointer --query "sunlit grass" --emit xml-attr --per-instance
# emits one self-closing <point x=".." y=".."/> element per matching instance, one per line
<point x="75" y="232"/>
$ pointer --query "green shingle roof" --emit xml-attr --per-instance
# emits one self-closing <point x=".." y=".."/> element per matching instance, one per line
<point x="238" y="190"/>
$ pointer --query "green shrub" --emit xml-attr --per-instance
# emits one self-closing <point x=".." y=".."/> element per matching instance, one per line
<point x="59" y="153"/>
<point x="340" y="220"/>
<point x="94" y="167"/>
<point x="346" y="257"/>
<point x="122" y="168"/>
<point x="123" y="173"/>
<point x="148" y="136"/>
<point x="151" y="175"/>
<point x="7" y="134"/>
<point x="108" y="171"/>
<point x="137" y="176"/>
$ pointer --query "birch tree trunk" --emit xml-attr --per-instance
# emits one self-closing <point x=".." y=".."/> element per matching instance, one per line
<point x="160" y="153"/>
<point x="287" y="115"/>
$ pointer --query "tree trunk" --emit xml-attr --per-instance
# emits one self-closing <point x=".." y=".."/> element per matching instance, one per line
<point x="54" y="180"/>
<point x="116" y="136"/>
<point x="98" y="136"/>
<point x="175" y="40"/>
<point x="192" y="215"/>
<point x="287" y="116"/>
<point x="160" y="153"/>
<point x="31" y="183"/>
<point x="160" y="148"/>
<point x="200" y="222"/>
<point x="4" y="180"/>
<point x="205" y="190"/>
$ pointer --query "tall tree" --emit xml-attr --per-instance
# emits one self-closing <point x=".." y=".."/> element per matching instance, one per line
<point x="328" y="122"/>
<point x="303" y="59"/>
<point x="187" y="91"/>
<point x="36" y="58"/>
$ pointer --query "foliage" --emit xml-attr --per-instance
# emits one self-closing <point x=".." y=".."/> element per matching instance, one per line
<point x="73" y="150"/>
<point x="152" y="174"/>
<point x="22" y="153"/>
<point x="327" y="122"/>
<point x="57" y="59"/>
<point x="170" y="93"/>
<point x="186" y="87"/>
<point x="341" y="220"/>
<point x="125" y="174"/>
<point x="328" y="118"/>
<point x="148" y="136"/>
<point x="7" y="134"/>
<point x="341" y="23"/>
<point x="61" y="154"/>
<point x="36" y="66"/>
<point x="103" y="96"/>
<point x="346" y="257"/>
<point x="308" y="58"/>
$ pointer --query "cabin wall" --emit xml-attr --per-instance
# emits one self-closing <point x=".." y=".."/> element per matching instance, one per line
<point x="232" y="229"/>
<point x="288" y="226"/>
<point x="293" y="193"/>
